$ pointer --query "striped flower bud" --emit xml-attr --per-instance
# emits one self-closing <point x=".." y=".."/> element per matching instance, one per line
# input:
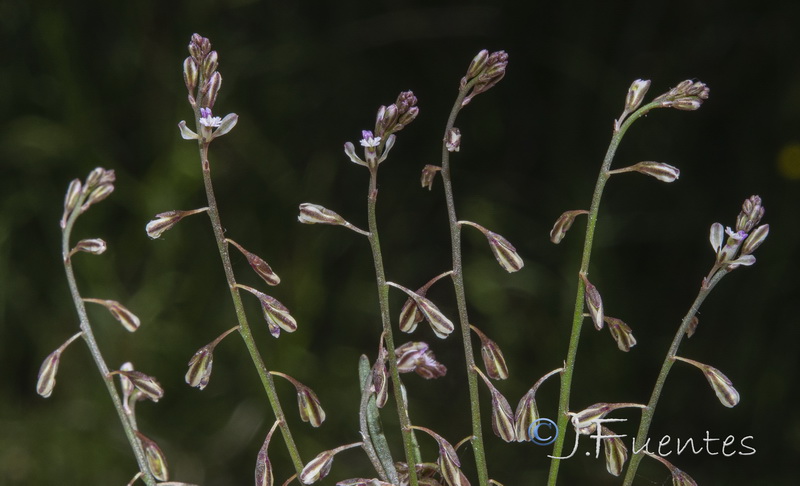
<point x="47" y="372"/>
<point x="210" y="63"/>
<point x="448" y="460"/>
<point x="477" y="65"/>
<point x="156" y="460"/>
<point x="410" y="316"/>
<point x="190" y="75"/>
<point x="127" y="318"/>
<point x="95" y="246"/>
<point x="277" y="315"/>
<point x="200" y="367"/>
<point x="317" y="468"/>
<point x="310" y="407"/>
<point x="659" y="170"/>
<point x="380" y="380"/>
<point x="594" y="303"/>
<point x="314" y="213"/>
<point x="210" y="89"/>
<point x="165" y="221"/>
<point x="146" y="384"/>
<point x="493" y="359"/>
<point x="621" y="333"/>
<point x="504" y="252"/>
<point x="502" y="416"/>
<point x="722" y="386"/>
<point x="101" y="192"/>
<point x="258" y="264"/>
<point x="616" y="453"/>
<point x="755" y="239"/>
<point x="636" y="94"/>
<point x="563" y="224"/>
<point x="441" y="325"/>
<point x="525" y="415"/>
<point x="71" y="198"/>
<point x="750" y="215"/>
<point x="264" y="474"/>
<point x="585" y="421"/>
<point x="428" y="175"/>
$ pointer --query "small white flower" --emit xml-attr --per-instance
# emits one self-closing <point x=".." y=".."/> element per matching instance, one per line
<point x="207" y="120"/>
<point x="736" y="235"/>
<point x="369" y="140"/>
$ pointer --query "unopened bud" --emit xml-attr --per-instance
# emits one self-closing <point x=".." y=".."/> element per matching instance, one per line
<point x="264" y="474"/>
<point x="636" y="94"/>
<point x="165" y="221"/>
<point x="504" y="252"/>
<point x="410" y="316"/>
<point x="750" y="215"/>
<point x="200" y="367"/>
<point x="686" y="104"/>
<point x="314" y="213"/>
<point x="101" y="192"/>
<point x="621" y="333"/>
<point x="208" y="94"/>
<point x="477" y="64"/>
<point x="146" y="384"/>
<point x="616" y="453"/>
<point x="493" y="359"/>
<point x="317" y="468"/>
<point x="594" y="303"/>
<point x="156" y="460"/>
<point x="755" y="239"/>
<point x="310" y="407"/>
<point x="210" y="64"/>
<point x="94" y="178"/>
<point x="563" y="224"/>
<point x="453" y="140"/>
<point x="259" y="265"/>
<point x="71" y="199"/>
<point x="190" y="75"/>
<point x="659" y="170"/>
<point x="127" y="318"/>
<point x="95" y="246"/>
<point x="722" y="386"/>
<point x="380" y="381"/>
<point x="525" y="416"/>
<point x="47" y="372"/>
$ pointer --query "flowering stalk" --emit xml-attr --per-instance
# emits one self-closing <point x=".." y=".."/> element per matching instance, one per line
<point x="577" y="317"/>
<point x="207" y="85"/>
<point x="88" y="336"/>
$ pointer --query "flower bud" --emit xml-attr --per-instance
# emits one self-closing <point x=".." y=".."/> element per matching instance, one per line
<point x="259" y="265"/>
<point x="264" y="475"/>
<point x="95" y="246"/>
<point x="621" y="333"/>
<point x="380" y="380"/>
<point x="441" y="325"/>
<point x="453" y="140"/>
<point x="428" y="174"/>
<point x="525" y="415"/>
<point x="410" y="316"/>
<point x="755" y="239"/>
<point x="200" y="367"/>
<point x="493" y="359"/>
<point x="127" y="318"/>
<point x="101" y="192"/>
<point x="477" y="64"/>
<point x="310" y="407"/>
<point x="71" y="198"/>
<point x="661" y="171"/>
<point x="314" y="213"/>
<point x="317" y="468"/>
<point x="210" y="64"/>
<point x="722" y="387"/>
<point x="47" y="372"/>
<point x="146" y="384"/>
<point x="636" y="94"/>
<point x="165" y="221"/>
<point x="615" y="451"/>
<point x="156" y="460"/>
<point x="585" y="421"/>
<point x="563" y="224"/>
<point x="594" y="303"/>
<point x="504" y="252"/>
<point x="190" y="74"/>
<point x="751" y="214"/>
<point x="210" y="89"/>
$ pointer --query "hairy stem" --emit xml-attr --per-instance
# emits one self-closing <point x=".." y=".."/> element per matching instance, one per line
<point x="647" y="415"/>
<point x="244" y="326"/>
<point x="577" y="316"/>
<point x="461" y="299"/>
<point x="383" y="298"/>
<point x="88" y="336"/>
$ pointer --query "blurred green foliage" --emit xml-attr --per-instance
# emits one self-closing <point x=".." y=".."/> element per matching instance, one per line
<point x="99" y="84"/>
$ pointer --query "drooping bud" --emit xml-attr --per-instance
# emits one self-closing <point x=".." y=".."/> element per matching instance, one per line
<point x="410" y="316"/>
<point x="504" y="252"/>
<point x="621" y="333"/>
<point x="616" y="453"/>
<point x="264" y="475"/>
<point x="190" y="75"/>
<point x="165" y="221"/>
<point x="95" y="246"/>
<point x="441" y="325"/>
<point x="127" y="318"/>
<point x="636" y="94"/>
<point x="428" y="175"/>
<point x="200" y="367"/>
<point x="448" y="460"/>
<point x="453" y="140"/>
<point x="275" y="313"/>
<point x="259" y="265"/>
<point x="659" y="170"/>
<point x="563" y="224"/>
<point x="317" y="468"/>
<point x="502" y="416"/>
<point x="594" y="303"/>
<point x="525" y="415"/>
<point x="722" y="386"/>
<point x="493" y="359"/>
<point x="314" y="213"/>
<point x="310" y="407"/>
<point x="156" y="460"/>
<point x="47" y="372"/>
<point x="146" y="384"/>
<point x="585" y="421"/>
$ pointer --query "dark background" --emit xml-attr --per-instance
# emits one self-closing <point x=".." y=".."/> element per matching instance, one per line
<point x="99" y="84"/>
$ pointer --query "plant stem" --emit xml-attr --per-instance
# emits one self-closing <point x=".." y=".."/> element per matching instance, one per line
<point x="577" y="316"/>
<point x="461" y="299"/>
<point x="647" y="415"/>
<point x="383" y="298"/>
<point x="88" y="336"/>
<point x="244" y="326"/>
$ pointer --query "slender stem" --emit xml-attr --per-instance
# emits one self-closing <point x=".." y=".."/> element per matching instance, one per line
<point x="364" y="416"/>
<point x="461" y="299"/>
<point x="383" y="298"/>
<point x="88" y="336"/>
<point x="244" y="326"/>
<point x="577" y="316"/>
<point x="647" y="415"/>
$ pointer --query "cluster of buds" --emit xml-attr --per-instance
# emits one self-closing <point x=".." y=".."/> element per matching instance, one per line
<point x="99" y="185"/>
<point x="687" y="95"/>
<point x="390" y="119"/>
<point x="742" y="241"/>
<point x="483" y="73"/>
<point x="203" y="83"/>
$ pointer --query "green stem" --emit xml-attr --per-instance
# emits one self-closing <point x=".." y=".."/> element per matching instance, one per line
<point x="577" y="316"/>
<point x="383" y="298"/>
<point x="461" y="299"/>
<point x="88" y="336"/>
<point x="647" y="415"/>
<point x="244" y="326"/>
